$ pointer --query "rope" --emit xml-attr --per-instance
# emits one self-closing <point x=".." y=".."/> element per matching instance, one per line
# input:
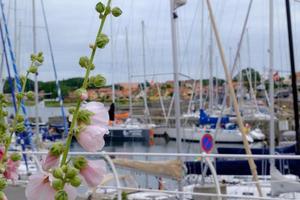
<point x="19" y="87"/>
<point x="54" y="69"/>
<point x="4" y="56"/>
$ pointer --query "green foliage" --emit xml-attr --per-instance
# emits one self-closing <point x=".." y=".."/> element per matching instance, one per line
<point x="248" y="72"/>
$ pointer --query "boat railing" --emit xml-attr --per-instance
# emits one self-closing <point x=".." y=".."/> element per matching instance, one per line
<point x="208" y="158"/>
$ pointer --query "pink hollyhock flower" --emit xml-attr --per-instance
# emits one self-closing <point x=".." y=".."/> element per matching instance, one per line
<point x="93" y="173"/>
<point x="100" y="116"/>
<point x="91" y="138"/>
<point x="2" y="150"/>
<point x="50" y="161"/>
<point x="11" y="171"/>
<point x="39" y="188"/>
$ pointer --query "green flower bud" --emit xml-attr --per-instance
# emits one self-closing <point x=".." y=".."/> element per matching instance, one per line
<point x="57" y="184"/>
<point x="100" y="7"/>
<point x="75" y="181"/>
<point x="99" y="81"/>
<point x="61" y="195"/>
<point x="57" y="149"/>
<point x="84" y="61"/>
<point x="58" y="173"/>
<point x="30" y="95"/>
<point x="71" y="110"/>
<point x="20" y="118"/>
<point x="107" y="10"/>
<point x="33" y="69"/>
<point x="4" y="113"/>
<point x="92" y="66"/>
<point x="19" y="96"/>
<point x="65" y="168"/>
<point x="71" y="172"/>
<point x="32" y="57"/>
<point x="15" y="157"/>
<point x="40" y="57"/>
<point x="20" y="127"/>
<point x="79" y="162"/>
<point x="81" y="94"/>
<point x="116" y="12"/>
<point x="3" y="184"/>
<point x="102" y="40"/>
<point x="84" y="117"/>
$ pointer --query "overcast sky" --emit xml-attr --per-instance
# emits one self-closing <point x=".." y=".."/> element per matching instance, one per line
<point x="73" y="25"/>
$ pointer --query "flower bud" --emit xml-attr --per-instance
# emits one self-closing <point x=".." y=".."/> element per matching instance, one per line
<point x="58" y="173"/>
<point x="33" y="69"/>
<point x="61" y="195"/>
<point x="57" y="149"/>
<point x="65" y="168"/>
<point x="4" y="113"/>
<point x="75" y="181"/>
<point x="100" y="7"/>
<point x="20" y="118"/>
<point x="30" y="95"/>
<point x="99" y="81"/>
<point x="3" y="183"/>
<point x="79" y="162"/>
<point x="102" y="40"/>
<point x="92" y="66"/>
<point x="71" y="172"/>
<point x="15" y="157"/>
<point x="19" y="96"/>
<point x="116" y="12"/>
<point x="20" y="127"/>
<point x="84" y="117"/>
<point x="81" y="94"/>
<point x="107" y="11"/>
<point x="40" y="57"/>
<point x="84" y="61"/>
<point x="71" y="110"/>
<point x="32" y="57"/>
<point x="91" y="46"/>
<point x="57" y="184"/>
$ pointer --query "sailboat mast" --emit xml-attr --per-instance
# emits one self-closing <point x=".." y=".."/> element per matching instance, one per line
<point x="129" y="73"/>
<point x="144" y="73"/>
<point x="36" y="90"/>
<point x="175" y="75"/>
<point x="293" y="74"/>
<point x="112" y="62"/>
<point x="201" y="56"/>
<point x="174" y="16"/>
<point x="210" y="72"/>
<point x="271" y="81"/>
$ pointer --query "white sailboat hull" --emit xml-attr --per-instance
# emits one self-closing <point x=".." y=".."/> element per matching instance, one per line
<point x="195" y="134"/>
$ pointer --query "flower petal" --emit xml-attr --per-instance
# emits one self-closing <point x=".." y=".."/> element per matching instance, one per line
<point x="91" y="138"/>
<point x="49" y="162"/>
<point x="94" y="172"/>
<point x="100" y="116"/>
<point x="39" y="188"/>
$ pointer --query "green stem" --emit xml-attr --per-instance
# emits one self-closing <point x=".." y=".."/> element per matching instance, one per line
<point x="14" y="123"/>
<point x="84" y="86"/>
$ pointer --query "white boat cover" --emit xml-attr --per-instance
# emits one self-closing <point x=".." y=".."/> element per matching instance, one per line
<point x="281" y="184"/>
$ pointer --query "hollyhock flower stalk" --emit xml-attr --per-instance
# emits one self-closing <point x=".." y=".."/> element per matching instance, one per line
<point x="89" y="67"/>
